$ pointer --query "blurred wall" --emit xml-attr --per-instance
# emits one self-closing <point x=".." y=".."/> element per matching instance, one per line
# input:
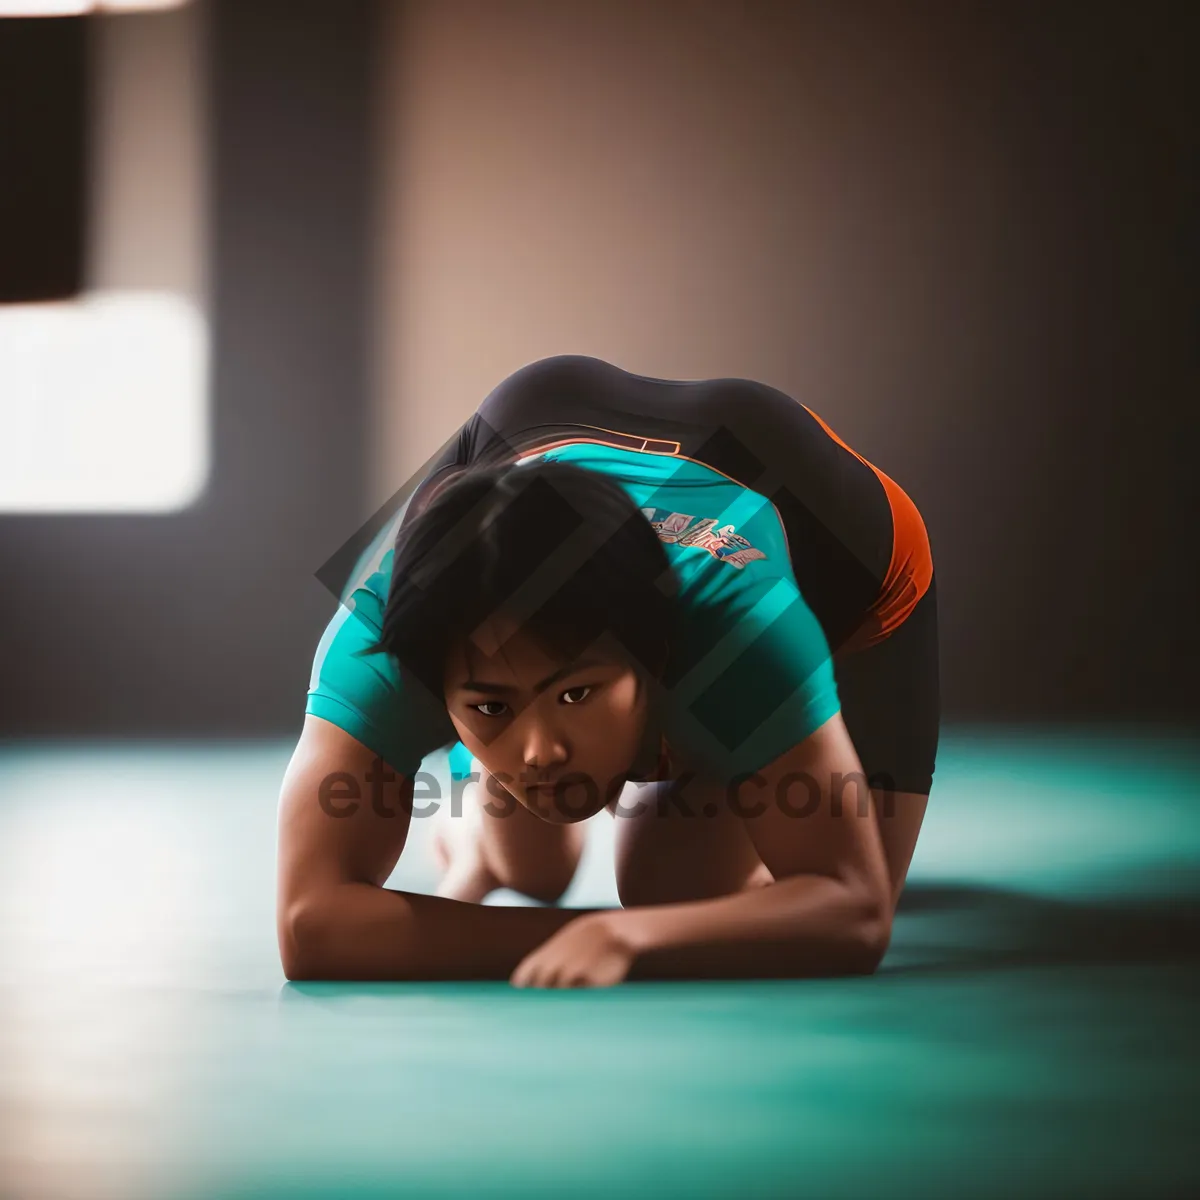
<point x="205" y="620"/>
<point x="955" y="231"/>
<point x="149" y="121"/>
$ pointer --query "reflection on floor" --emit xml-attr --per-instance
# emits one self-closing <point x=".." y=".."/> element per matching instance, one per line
<point x="1032" y="1031"/>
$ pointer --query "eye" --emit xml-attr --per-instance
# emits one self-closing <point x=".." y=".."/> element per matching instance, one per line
<point x="583" y="687"/>
<point x="481" y="707"/>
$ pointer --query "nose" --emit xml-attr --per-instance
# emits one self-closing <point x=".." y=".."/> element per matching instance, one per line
<point x="545" y="749"/>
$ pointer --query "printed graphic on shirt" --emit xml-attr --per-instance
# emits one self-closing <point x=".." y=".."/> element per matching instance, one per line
<point x="686" y="529"/>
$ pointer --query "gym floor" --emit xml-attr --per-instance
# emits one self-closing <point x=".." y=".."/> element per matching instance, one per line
<point x="1032" y="1031"/>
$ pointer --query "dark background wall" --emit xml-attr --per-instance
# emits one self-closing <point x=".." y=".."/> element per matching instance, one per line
<point x="43" y="158"/>
<point x="1005" y="320"/>
<point x="1068" y="509"/>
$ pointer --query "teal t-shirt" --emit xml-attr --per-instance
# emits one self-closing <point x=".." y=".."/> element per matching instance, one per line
<point x="749" y="674"/>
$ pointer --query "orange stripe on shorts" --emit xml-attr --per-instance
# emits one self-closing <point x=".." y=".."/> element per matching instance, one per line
<point x="910" y="569"/>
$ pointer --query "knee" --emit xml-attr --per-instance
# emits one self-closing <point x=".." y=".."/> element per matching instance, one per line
<point x="545" y="880"/>
<point x="548" y="885"/>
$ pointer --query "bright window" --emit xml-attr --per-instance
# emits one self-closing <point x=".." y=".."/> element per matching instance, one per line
<point x="103" y="404"/>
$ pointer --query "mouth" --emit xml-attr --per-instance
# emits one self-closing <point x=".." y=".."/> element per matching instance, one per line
<point x="551" y="802"/>
<point x="546" y="798"/>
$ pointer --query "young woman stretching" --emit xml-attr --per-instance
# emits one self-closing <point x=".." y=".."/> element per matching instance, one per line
<point x="689" y="603"/>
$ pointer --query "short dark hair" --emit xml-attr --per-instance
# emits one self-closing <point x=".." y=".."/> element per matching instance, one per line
<point x="564" y="550"/>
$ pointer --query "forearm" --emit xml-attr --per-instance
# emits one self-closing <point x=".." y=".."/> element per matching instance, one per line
<point x="798" y="926"/>
<point x="360" y="931"/>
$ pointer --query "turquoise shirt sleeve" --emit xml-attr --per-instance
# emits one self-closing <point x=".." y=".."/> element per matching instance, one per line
<point x="758" y="679"/>
<point x="369" y="695"/>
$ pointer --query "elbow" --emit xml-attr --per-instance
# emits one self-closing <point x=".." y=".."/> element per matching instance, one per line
<point x="871" y="937"/>
<point x="299" y="930"/>
<point x="871" y="945"/>
<point x="867" y="925"/>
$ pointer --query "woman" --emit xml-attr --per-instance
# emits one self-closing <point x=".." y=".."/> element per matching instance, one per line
<point x="609" y="579"/>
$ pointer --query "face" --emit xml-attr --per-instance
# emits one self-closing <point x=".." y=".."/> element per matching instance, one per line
<point x="531" y="718"/>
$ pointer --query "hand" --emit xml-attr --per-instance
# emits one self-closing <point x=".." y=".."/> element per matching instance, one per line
<point x="591" y="951"/>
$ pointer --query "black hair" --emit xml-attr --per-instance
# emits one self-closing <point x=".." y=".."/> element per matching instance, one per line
<point x="562" y="549"/>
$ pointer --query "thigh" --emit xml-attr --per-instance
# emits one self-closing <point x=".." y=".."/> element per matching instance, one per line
<point x="891" y="705"/>
<point x="891" y="702"/>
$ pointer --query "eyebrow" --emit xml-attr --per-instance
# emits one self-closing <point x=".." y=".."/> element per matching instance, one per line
<point x="479" y="685"/>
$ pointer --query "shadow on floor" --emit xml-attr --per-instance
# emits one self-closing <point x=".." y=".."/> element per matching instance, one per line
<point x="969" y="927"/>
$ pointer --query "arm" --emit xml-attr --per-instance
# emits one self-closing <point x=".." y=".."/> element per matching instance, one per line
<point x="829" y="910"/>
<point x="334" y="917"/>
<point x="827" y="913"/>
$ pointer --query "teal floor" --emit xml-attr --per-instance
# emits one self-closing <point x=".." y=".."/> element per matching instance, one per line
<point x="1033" y="1031"/>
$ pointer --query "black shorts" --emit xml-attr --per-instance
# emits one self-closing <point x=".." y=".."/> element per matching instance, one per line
<point x="890" y="701"/>
<point x="857" y="544"/>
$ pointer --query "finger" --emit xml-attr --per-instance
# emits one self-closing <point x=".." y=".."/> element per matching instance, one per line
<point x="556" y="975"/>
<point x="540" y="974"/>
<point x="524" y="972"/>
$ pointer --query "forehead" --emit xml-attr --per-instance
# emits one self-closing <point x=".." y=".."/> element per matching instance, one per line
<point x="501" y="648"/>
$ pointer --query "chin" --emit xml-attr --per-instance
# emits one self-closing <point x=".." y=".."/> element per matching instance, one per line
<point x="570" y="813"/>
<point x="556" y="816"/>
